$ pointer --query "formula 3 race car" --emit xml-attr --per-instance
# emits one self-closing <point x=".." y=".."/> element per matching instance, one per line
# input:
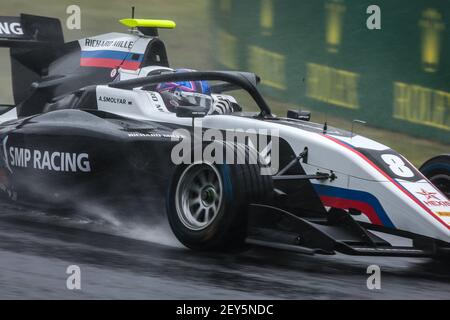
<point x="104" y="118"/>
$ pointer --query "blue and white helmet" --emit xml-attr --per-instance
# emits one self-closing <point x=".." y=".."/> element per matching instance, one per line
<point x="186" y="93"/>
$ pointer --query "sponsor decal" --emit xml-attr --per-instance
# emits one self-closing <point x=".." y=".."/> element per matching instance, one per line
<point x="47" y="160"/>
<point x="115" y="100"/>
<point x="154" y="135"/>
<point x="96" y="43"/>
<point x="432" y="200"/>
<point x="10" y="27"/>
<point x="429" y="195"/>
<point x="440" y="203"/>
<point x="157" y="101"/>
<point x="112" y="51"/>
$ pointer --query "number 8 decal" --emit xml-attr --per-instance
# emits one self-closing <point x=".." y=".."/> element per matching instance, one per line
<point x="397" y="165"/>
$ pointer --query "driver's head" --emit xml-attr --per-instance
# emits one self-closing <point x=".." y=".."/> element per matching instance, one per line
<point x="186" y="93"/>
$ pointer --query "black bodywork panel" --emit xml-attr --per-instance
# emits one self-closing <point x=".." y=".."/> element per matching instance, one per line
<point x="66" y="155"/>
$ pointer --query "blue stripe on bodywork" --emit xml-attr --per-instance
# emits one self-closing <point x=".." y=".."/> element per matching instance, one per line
<point x="356" y="195"/>
<point x="110" y="54"/>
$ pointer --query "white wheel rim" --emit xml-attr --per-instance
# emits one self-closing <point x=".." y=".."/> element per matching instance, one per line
<point x="198" y="196"/>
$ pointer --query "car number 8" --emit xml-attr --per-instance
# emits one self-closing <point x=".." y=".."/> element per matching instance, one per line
<point x="397" y="165"/>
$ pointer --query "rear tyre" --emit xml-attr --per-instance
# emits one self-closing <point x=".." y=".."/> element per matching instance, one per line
<point x="207" y="203"/>
<point x="437" y="170"/>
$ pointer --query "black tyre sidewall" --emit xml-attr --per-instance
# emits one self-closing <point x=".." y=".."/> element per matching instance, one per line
<point x="437" y="166"/>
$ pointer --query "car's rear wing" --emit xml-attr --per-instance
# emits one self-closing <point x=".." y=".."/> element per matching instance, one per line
<point x="34" y="42"/>
<point x="29" y="31"/>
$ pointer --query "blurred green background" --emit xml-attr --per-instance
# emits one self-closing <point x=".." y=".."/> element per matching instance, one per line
<point x="208" y="32"/>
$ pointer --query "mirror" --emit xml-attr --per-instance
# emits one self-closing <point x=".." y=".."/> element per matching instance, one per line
<point x="299" y="114"/>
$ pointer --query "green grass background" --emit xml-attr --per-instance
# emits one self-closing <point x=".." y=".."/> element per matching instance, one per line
<point x="189" y="45"/>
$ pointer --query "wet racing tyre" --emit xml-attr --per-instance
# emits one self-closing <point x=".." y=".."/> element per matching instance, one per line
<point x="437" y="170"/>
<point x="207" y="203"/>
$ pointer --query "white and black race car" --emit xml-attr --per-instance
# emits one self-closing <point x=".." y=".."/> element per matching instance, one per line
<point x="105" y="118"/>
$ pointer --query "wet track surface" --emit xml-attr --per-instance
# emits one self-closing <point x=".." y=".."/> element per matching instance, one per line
<point x="133" y="261"/>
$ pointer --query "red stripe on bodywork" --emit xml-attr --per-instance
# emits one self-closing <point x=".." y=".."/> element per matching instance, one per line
<point x="406" y="192"/>
<point x="109" y="63"/>
<point x="130" y="65"/>
<point x="341" y="203"/>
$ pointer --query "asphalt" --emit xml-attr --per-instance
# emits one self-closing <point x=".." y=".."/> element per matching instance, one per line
<point x="124" y="258"/>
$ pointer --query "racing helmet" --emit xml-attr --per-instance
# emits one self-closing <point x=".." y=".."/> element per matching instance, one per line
<point x="185" y="93"/>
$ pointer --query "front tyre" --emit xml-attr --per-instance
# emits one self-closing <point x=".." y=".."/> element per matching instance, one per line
<point x="207" y="203"/>
<point x="437" y="170"/>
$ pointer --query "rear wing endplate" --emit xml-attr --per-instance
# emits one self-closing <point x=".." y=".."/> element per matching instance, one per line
<point x="30" y="30"/>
